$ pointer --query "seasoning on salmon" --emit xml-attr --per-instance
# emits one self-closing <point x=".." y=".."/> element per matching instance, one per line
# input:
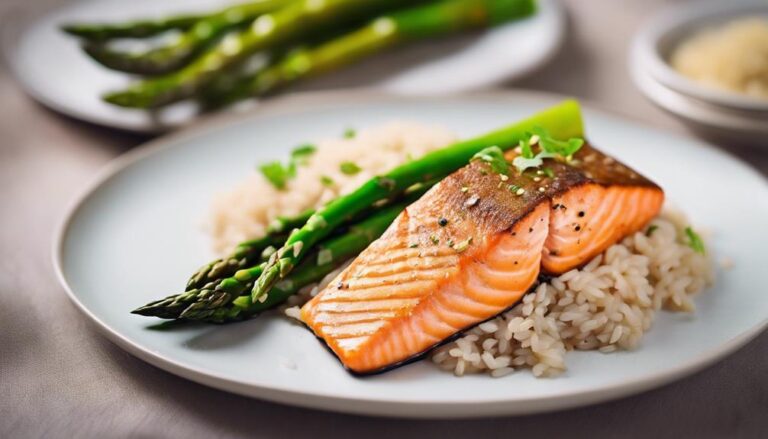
<point x="469" y="249"/>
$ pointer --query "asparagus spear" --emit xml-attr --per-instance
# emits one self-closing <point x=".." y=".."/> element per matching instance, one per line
<point x="172" y="56"/>
<point x="213" y="294"/>
<point x="326" y="258"/>
<point x="150" y="27"/>
<point x="298" y="19"/>
<point x="381" y="33"/>
<point x="563" y="121"/>
<point x="213" y="298"/>
<point x="245" y="254"/>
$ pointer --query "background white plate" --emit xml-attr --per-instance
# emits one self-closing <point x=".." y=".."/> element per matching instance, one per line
<point x="53" y="69"/>
<point x="136" y="236"/>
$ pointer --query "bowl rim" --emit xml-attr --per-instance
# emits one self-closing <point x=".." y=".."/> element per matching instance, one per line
<point x="683" y="19"/>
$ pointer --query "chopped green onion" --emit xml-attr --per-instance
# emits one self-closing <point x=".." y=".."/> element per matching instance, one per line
<point x="349" y="133"/>
<point x="326" y="180"/>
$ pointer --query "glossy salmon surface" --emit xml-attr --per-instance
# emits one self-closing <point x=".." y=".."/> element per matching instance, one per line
<point x="469" y="249"/>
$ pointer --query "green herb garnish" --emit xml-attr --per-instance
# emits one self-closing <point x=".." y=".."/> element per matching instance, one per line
<point x="276" y="173"/>
<point x="350" y="168"/>
<point x="549" y="147"/>
<point x="326" y="180"/>
<point x="349" y="133"/>
<point x="279" y="174"/>
<point x="694" y="241"/>
<point x="301" y="154"/>
<point x="652" y="228"/>
<point x="494" y="156"/>
<point x="549" y="172"/>
<point x="563" y="148"/>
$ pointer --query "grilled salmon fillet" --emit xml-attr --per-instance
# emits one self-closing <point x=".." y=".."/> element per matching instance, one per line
<point x="469" y="249"/>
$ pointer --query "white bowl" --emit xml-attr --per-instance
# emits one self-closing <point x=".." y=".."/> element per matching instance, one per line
<point x="714" y="113"/>
<point x="654" y="44"/>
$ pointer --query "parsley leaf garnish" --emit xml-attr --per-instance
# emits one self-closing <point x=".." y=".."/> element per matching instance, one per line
<point x="301" y="154"/>
<point x="276" y="173"/>
<point x="494" y="156"/>
<point x="563" y="148"/>
<point x="350" y="168"/>
<point x="549" y="147"/>
<point x="326" y="180"/>
<point x="349" y="133"/>
<point x="694" y="241"/>
<point x="279" y="174"/>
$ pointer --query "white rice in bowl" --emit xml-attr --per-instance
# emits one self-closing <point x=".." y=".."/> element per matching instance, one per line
<point x="607" y="305"/>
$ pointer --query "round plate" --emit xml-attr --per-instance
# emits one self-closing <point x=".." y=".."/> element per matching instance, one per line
<point x="454" y="64"/>
<point x="135" y="236"/>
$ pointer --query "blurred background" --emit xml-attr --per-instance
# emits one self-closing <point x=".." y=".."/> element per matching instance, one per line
<point x="57" y="132"/>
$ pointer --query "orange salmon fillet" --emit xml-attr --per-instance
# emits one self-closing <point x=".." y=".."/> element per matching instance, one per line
<point x="469" y="249"/>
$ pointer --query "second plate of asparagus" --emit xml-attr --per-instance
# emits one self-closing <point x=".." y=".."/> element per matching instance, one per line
<point x="171" y="61"/>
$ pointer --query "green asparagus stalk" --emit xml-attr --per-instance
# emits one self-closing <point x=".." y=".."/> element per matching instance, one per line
<point x="298" y="19"/>
<point x="214" y="294"/>
<point x="147" y="28"/>
<point x="245" y="255"/>
<point x="211" y="302"/>
<point x="334" y="251"/>
<point x="170" y="57"/>
<point x="429" y="20"/>
<point x="563" y="121"/>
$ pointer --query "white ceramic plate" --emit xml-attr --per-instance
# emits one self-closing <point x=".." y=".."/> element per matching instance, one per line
<point x="135" y="235"/>
<point x="448" y="65"/>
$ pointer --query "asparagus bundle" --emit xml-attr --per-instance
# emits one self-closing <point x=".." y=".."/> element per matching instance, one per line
<point x="99" y="32"/>
<point x="212" y="302"/>
<point x="298" y="19"/>
<point x="563" y="121"/>
<point x="199" y="35"/>
<point x="247" y="253"/>
<point x="384" y="32"/>
<point x="224" y="299"/>
<point x="325" y="259"/>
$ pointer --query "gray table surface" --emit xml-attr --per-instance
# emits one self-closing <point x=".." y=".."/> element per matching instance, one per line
<point x="60" y="378"/>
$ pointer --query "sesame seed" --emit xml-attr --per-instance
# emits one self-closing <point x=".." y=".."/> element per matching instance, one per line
<point x="472" y="201"/>
<point x="520" y="191"/>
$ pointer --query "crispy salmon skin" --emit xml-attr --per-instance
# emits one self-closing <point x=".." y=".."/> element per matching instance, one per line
<point x="470" y="248"/>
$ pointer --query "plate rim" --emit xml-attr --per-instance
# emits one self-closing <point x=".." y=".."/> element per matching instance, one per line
<point x="382" y="407"/>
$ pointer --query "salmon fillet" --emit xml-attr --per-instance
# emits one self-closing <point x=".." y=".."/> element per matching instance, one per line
<point x="469" y="249"/>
